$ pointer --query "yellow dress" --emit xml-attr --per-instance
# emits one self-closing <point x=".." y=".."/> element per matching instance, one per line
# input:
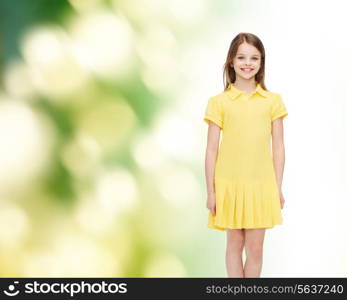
<point x="247" y="194"/>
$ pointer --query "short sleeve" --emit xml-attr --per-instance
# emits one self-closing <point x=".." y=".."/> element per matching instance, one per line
<point x="214" y="112"/>
<point x="278" y="109"/>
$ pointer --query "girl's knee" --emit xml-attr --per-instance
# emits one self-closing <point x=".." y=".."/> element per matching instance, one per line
<point x="254" y="250"/>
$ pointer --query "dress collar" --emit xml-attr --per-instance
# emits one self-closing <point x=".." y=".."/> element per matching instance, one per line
<point x="234" y="92"/>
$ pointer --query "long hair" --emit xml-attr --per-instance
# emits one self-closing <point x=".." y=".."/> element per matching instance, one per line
<point x="229" y="75"/>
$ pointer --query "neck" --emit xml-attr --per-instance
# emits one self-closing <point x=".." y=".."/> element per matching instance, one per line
<point x="247" y="85"/>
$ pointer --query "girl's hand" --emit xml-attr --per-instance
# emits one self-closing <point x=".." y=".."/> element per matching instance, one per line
<point x="281" y="199"/>
<point x="211" y="204"/>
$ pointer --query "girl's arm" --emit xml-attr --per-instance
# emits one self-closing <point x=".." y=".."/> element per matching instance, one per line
<point x="278" y="151"/>
<point x="211" y="156"/>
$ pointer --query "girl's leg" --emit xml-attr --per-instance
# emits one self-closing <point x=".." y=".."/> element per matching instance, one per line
<point x="254" y="239"/>
<point x="233" y="257"/>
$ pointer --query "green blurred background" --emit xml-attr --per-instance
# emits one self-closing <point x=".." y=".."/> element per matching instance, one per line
<point x="99" y="174"/>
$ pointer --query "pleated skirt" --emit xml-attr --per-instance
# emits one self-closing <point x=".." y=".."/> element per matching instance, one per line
<point x="241" y="204"/>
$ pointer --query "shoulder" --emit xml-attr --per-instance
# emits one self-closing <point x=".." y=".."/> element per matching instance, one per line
<point x="220" y="97"/>
<point x="271" y="95"/>
<point x="274" y="97"/>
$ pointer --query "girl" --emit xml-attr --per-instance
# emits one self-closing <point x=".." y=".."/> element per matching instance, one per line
<point x="243" y="172"/>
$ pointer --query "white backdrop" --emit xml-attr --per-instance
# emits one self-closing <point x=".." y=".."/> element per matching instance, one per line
<point x="306" y="61"/>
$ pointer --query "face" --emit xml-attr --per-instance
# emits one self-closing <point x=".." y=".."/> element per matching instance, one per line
<point x="247" y="61"/>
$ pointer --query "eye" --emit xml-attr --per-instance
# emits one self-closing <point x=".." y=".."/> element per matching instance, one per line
<point x="240" y="57"/>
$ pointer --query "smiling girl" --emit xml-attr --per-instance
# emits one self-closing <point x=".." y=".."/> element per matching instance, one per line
<point x="244" y="168"/>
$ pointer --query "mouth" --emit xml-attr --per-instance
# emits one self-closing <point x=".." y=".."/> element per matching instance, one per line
<point x="247" y="70"/>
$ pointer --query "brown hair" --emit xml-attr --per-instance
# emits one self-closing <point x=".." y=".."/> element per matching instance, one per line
<point x="229" y="75"/>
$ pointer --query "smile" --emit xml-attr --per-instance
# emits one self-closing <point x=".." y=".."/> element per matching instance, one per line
<point x="247" y="69"/>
